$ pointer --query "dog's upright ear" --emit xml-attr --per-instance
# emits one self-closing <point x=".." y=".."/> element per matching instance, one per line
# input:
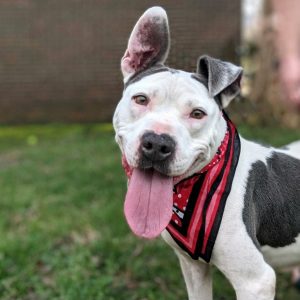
<point x="148" y="43"/>
<point x="223" y="78"/>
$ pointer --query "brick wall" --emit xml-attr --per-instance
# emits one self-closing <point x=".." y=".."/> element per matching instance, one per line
<point x="59" y="60"/>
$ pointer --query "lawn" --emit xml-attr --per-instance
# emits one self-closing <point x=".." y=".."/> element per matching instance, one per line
<point x="63" y="234"/>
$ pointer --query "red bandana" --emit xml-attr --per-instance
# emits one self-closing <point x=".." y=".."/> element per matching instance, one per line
<point x="199" y="201"/>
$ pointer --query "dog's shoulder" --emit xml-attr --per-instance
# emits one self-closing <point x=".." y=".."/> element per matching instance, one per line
<point x="272" y="199"/>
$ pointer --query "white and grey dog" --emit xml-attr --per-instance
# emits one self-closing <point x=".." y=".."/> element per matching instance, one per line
<point x="171" y="127"/>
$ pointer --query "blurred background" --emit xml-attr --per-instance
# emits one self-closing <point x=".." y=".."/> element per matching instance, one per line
<point x="63" y="234"/>
<point x="60" y="59"/>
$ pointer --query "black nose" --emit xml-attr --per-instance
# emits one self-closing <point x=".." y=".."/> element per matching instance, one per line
<point x="157" y="147"/>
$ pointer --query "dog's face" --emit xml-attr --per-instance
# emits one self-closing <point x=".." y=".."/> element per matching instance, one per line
<point x="170" y="104"/>
<point x="173" y="111"/>
<point x="168" y="123"/>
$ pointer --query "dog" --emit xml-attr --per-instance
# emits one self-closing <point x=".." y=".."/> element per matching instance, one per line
<point x="215" y="197"/>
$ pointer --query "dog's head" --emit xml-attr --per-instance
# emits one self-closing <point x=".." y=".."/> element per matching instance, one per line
<point x="168" y="121"/>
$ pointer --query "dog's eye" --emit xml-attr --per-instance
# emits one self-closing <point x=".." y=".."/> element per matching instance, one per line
<point x="197" y="114"/>
<point x="140" y="99"/>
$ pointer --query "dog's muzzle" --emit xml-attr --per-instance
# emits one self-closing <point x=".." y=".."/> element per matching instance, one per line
<point x="156" y="151"/>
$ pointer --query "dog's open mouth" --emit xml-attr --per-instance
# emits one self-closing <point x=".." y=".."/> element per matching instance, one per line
<point x="148" y="203"/>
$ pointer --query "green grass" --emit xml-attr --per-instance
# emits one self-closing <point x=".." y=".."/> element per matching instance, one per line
<point x="63" y="234"/>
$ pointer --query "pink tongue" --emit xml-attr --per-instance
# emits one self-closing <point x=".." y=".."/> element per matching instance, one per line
<point x="148" y="203"/>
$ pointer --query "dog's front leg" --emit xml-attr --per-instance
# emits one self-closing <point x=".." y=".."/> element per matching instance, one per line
<point x="197" y="278"/>
<point x="243" y="264"/>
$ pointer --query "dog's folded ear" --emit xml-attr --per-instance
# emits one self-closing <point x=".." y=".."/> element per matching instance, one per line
<point x="148" y="43"/>
<point x="223" y="78"/>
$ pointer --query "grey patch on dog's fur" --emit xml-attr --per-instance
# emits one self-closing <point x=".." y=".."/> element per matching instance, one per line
<point x="220" y="74"/>
<point x="272" y="201"/>
<point x="202" y="79"/>
<point x="223" y="78"/>
<point x="150" y="71"/>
